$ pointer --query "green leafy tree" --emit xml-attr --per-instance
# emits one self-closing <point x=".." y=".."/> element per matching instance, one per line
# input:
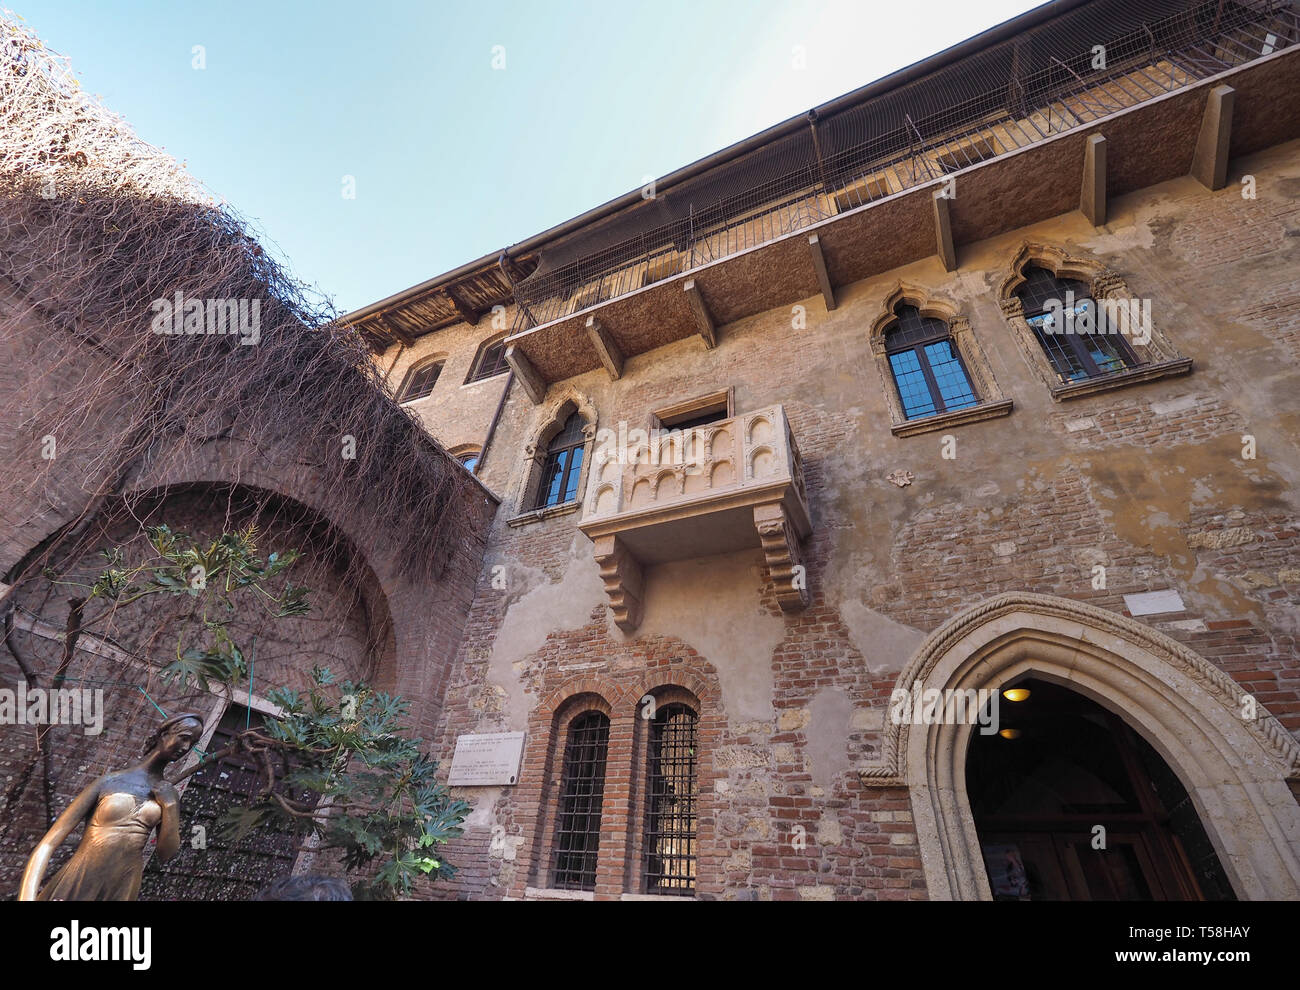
<point x="336" y="765"/>
<point x="366" y="789"/>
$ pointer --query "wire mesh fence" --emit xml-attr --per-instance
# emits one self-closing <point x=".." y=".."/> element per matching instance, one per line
<point x="1073" y="70"/>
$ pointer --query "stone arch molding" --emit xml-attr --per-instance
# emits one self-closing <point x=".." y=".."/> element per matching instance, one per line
<point x="1061" y="264"/>
<point x="548" y="421"/>
<point x="1235" y="770"/>
<point x="903" y="293"/>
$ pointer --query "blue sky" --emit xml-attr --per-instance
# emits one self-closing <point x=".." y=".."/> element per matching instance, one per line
<point x="453" y="158"/>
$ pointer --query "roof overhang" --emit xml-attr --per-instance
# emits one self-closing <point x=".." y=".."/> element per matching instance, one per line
<point x="1148" y="143"/>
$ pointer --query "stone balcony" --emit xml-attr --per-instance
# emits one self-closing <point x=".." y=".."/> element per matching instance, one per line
<point x="729" y="485"/>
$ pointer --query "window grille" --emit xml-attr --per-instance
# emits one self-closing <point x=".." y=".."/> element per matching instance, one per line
<point x="1075" y="356"/>
<point x="582" y="793"/>
<point x="671" y="809"/>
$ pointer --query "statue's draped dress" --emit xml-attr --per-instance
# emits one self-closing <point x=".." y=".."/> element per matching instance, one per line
<point x="109" y="863"/>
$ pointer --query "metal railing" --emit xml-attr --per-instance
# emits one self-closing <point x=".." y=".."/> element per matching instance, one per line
<point x="741" y="205"/>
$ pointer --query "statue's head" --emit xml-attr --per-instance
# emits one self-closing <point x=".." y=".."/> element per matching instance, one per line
<point x="176" y="736"/>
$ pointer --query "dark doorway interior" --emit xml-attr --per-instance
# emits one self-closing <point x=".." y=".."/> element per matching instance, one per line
<point x="1078" y="806"/>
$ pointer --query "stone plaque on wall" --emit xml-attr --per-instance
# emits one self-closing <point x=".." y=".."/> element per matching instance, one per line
<point x="485" y="759"/>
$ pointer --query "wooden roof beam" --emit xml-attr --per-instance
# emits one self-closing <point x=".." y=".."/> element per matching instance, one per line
<point x="512" y="271"/>
<point x="393" y="330"/>
<point x="466" y="312"/>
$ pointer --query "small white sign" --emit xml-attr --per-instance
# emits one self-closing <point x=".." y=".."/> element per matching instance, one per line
<point x="1154" y="602"/>
<point x="485" y="759"/>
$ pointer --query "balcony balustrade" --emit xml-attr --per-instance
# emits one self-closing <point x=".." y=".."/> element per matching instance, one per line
<point x="671" y="495"/>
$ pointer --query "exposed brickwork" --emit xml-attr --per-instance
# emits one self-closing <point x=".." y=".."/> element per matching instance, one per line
<point x="1277" y="315"/>
<point x="1127" y="419"/>
<point x="1128" y="481"/>
<point x="1227" y="228"/>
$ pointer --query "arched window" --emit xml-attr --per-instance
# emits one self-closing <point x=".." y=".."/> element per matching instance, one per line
<point x="562" y="469"/>
<point x="420" y="381"/>
<point x="491" y="360"/>
<point x="926" y="365"/>
<point x="582" y="797"/>
<point x="468" y="454"/>
<point x="672" y="812"/>
<point x="1076" y="351"/>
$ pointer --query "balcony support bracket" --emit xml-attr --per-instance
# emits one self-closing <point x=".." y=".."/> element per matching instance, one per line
<point x="534" y="384"/>
<point x="606" y="348"/>
<point x="943" y="233"/>
<point x="1092" y="196"/>
<point x="623" y="578"/>
<point x="784" y="558"/>
<point x="819" y="268"/>
<point x="703" y="319"/>
<point x="1210" y="161"/>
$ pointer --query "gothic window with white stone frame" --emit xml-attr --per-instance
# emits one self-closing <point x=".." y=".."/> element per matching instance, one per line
<point x="927" y="367"/>
<point x="562" y="469"/>
<point x="932" y="368"/>
<point x="1071" y="328"/>
<point x="1080" y="326"/>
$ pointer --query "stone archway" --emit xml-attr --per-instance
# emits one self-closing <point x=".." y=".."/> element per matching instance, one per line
<point x="1235" y="770"/>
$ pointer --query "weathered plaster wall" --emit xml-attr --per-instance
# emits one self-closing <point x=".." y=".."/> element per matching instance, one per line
<point x="1148" y="481"/>
<point x="456" y="413"/>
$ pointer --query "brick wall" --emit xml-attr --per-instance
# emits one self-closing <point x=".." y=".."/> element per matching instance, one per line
<point x="369" y="618"/>
<point x="1137" y="481"/>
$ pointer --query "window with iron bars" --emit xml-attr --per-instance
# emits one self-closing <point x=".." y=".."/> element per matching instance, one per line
<point x="1074" y="356"/>
<point x="671" y="802"/>
<point x="927" y="367"/>
<point x="491" y="361"/>
<point x="582" y="795"/>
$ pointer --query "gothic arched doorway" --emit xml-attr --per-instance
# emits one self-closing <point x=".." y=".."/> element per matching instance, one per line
<point x="1071" y="804"/>
<point x="1237" y="770"/>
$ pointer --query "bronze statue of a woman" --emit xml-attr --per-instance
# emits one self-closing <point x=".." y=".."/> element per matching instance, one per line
<point x="121" y="810"/>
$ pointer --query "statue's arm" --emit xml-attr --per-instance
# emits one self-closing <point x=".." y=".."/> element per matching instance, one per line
<point x="169" y="828"/>
<point x="63" y="827"/>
